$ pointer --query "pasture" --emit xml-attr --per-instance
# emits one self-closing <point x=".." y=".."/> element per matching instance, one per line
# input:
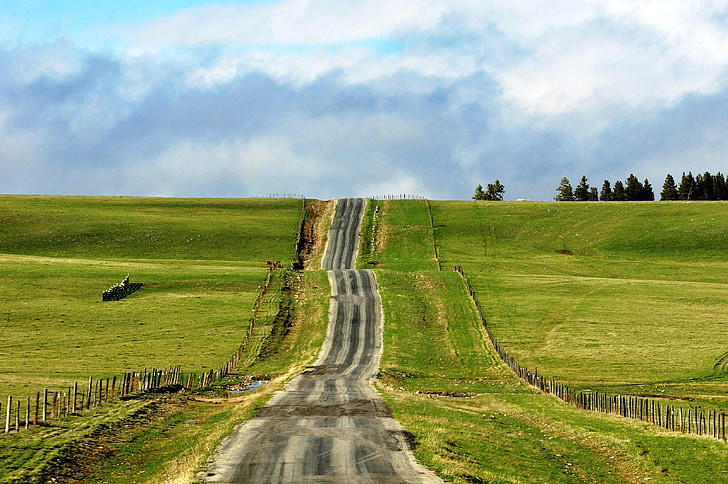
<point x="637" y="305"/>
<point x="612" y="315"/>
<point x="199" y="261"/>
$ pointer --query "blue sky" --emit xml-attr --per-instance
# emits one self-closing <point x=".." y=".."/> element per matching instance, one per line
<point x="358" y="98"/>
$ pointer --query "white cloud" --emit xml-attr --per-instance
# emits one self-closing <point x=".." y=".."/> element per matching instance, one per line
<point x="54" y="61"/>
<point x="194" y="166"/>
<point x="289" y="22"/>
<point x="570" y="56"/>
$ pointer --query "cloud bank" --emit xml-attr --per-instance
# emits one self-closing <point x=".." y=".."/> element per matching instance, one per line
<point x="332" y="99"/>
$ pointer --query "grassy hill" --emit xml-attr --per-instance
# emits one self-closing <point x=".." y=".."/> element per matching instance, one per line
<point x="623" y="297"/>
<point x="637" y="304"/>
<point x="199" y="261"/>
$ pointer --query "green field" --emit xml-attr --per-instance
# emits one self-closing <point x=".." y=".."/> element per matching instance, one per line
<point x="199" y="261"/>
<point x="620" y="297"/>
<point x="638" y="307"/>
<point x="622" y="313"/>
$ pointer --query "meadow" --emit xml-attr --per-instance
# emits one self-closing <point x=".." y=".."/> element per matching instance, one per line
<point x="621" y="312"/>
<point x="199" y="261"/>
<point x="200" y="264"/>
<point x="637" y="305"/>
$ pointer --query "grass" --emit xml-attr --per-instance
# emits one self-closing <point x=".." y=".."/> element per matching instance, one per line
<point x="652" y="273"/>
<point x="166" y="438"/>
<point x="199" y="261"/>
<point x="589" y="318"/>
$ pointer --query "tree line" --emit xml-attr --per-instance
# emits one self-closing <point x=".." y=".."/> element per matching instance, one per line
<point x="700" y="187"/>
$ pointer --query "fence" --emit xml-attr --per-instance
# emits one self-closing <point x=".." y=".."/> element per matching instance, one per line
<point x="693" y="420"/>
<point x="214" y="374"/>
<point x="432" y="227"/>
<point x="53" y="405"/>
<point x="56" y="405"/>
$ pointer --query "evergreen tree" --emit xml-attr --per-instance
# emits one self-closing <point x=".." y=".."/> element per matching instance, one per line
<point x="719" y="186"/>
<point x="618" y="193"/>
<point x="479" y="193"/>
<point x="698" y="188"/>
<point x="582" y="190"/>
<point x="495" y="191"/>
<point x="686" y="187"/>
<point x="669" y="190"/>
<point x="633" y="189"/>
<point x="708" y="188"/>
<point x="593" y="194"/>
<point x="565" y="192"/>
<point x="647" y="194"/>
<point x="606" y="194"/>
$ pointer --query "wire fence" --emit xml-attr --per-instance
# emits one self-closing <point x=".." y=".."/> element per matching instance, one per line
<point x="51" y="405"/>
<point x="692" y="420"/>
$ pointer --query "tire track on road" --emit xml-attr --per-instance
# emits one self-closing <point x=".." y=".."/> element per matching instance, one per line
<point x="329" y="425"/>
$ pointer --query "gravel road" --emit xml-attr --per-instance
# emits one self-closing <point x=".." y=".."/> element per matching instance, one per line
<point x="329" y="425"/>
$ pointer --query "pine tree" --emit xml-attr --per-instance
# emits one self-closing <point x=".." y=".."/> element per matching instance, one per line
<point x="686" y="187"/>
<point x="633" y="188"/>
<point x="708" y="189"/>
<point x="618" y="193"/>
<point x="593" y="194"/>
<point x="565" y="192"/>
<point x="646" y="193"/>
<point x="582" y="190"/>
<point x="719" y="185"/>
<point x="479" y="193"/>
<point x="495" y="191"/>
<point x="606" y="194"/>
<point x="669" y="190"/>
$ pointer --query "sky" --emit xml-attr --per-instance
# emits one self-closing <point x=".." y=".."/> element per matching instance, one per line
<point x="327" y="98"/>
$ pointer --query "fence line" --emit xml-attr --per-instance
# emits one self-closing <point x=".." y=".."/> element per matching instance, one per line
<point x="432" y="227"/>
<point x="56" y="405"/>
<point x="693" y="420"/>
<point x="53" y="405"/>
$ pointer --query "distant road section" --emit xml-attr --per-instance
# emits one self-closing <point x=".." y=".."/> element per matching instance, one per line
<point x="343" y="243"/>
<point x="329" y="425"/>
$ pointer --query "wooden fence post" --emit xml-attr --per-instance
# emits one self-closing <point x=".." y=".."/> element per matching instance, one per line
<point x="27" y="414"/>
<point x="45" y="404"/>
<point x="37" y="404"/>
<point x="90" y="389"/>
<point x="7" y="417"/>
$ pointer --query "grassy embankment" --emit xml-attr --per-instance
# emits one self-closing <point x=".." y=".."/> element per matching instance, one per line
<point x="589" y="318"/>
<point x="199" y="263"/>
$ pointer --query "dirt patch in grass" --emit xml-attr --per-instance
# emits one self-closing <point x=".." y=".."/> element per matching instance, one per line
<point x="79" y="461"/>
<point x="310" y="235"/>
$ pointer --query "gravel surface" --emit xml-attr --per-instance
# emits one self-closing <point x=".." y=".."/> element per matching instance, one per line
<point x="329" y="425"/>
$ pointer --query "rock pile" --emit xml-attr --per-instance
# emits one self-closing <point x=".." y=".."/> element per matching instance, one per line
<point x="120" y="291"/>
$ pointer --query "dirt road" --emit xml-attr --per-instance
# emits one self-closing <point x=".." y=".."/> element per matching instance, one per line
<point x="329" y="425"/>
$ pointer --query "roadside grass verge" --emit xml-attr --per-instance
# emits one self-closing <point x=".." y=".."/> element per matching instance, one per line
<point x="541" y="309"/>
<point x="405" y="240"/>
<point x="199" y="261"/>
<point x="168" y="438"/>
